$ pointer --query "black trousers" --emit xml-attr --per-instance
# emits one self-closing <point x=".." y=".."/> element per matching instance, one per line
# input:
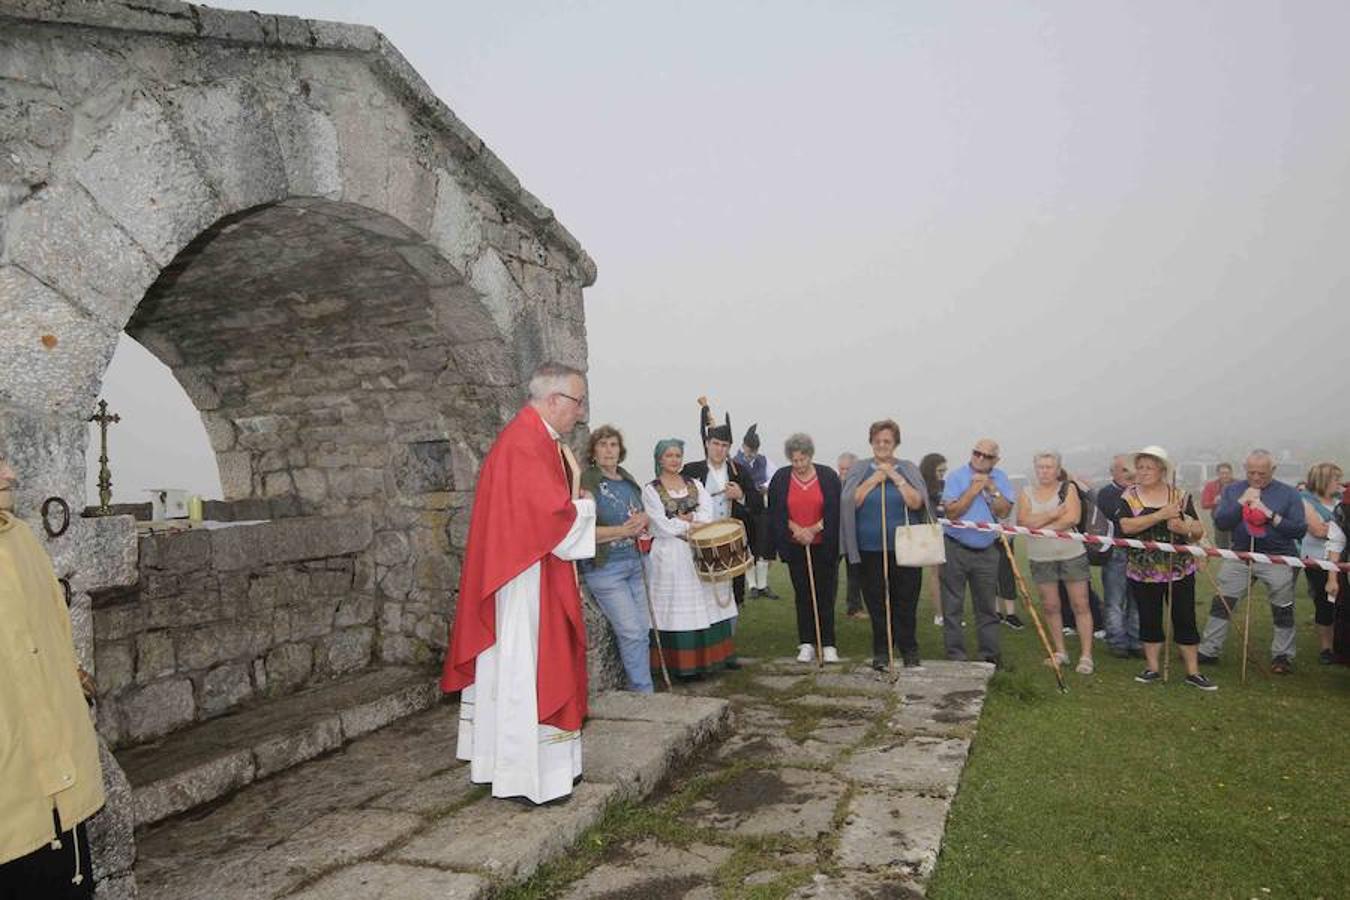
<point x="46" y="873"/>
<point x="1150" y="596"/>
<point x="905" y="584"/>
<point x="827" y="583"/>
<point x="1324" y="611"/>
<point x="853" y="598"/>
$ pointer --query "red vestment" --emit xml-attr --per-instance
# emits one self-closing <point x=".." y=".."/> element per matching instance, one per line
<point x="522" y="509"/>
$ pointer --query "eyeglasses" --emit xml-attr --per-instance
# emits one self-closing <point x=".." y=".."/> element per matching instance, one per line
<point x="980" y="454"/>
<point x="579" y="401"/>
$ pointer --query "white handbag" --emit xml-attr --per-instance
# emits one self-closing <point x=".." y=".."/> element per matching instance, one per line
<point x="919" y="545"/>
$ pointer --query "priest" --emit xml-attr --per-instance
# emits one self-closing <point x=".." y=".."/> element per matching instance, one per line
<point x="518" y="644"/>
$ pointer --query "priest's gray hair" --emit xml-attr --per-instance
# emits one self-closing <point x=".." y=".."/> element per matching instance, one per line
<point x="799" y="443"/>
<point x="551" y="378"/>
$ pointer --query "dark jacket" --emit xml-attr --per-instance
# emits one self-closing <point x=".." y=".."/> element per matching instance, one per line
<point x="787" y="549"/>
<point x="754" y="501"/>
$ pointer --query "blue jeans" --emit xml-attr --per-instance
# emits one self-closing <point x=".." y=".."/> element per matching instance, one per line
<point x="617" y="587"/>
<point x="1122" y="616"/>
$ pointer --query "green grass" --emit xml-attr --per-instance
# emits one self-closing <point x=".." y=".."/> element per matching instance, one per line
<point x="1123" y="790"/>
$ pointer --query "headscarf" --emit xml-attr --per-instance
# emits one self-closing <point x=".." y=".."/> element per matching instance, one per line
<point x="661" y="447"/>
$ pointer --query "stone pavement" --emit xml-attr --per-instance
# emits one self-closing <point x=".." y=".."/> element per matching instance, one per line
<point x="393" y="815"/>
<point x="834" y="784"/>
<point x="831" y="784"/>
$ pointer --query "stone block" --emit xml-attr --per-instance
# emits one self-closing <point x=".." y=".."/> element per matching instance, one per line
<point x="893" y="830"/>
<point x="113" y="667"/>
<point x="505" y="840"/>
<point x="111" y="828"/>
<point x="206" y="645"/>
<point x="288" y="667"/>
<point x="355" y="609"/>
<point x="50" y="452"/>
<point x="376" y="879"/>
<point x="191" y="787"/>
<point x="931" y="765"/>
<point x="180" y="552"/>
<point x="118" y="887"/>
<point x="633" y="756"/>
<point x="157" y="709"/>
<point x="346" y="650"/>
<point x="141" y="173"/>
<point x="224" y="687"/>
<point x="281" y="751"/>
<point x="792" y="802"/>
<point x="370" y="716"/>
<point x="231" y="133"/>
<point x="56" y="353"/>
<point x="424" y="467"/>
<point x="433" y="796"/>
<point x="290" y="540"/>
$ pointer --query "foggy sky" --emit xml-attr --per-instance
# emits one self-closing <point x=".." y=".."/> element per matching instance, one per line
<point x="1056" y="224"/>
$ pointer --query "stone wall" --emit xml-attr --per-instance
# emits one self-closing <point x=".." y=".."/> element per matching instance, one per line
<point x="223" y="616"/>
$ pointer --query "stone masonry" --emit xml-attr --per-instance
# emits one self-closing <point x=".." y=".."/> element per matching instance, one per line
<point x="223" y="616"/>
<point x="348" y="283"/>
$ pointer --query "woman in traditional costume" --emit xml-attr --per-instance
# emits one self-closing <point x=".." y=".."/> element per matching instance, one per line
<point x="694" y="619"/>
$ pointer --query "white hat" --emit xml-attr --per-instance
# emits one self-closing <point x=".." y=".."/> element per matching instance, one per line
<point x="1156" y="452"/>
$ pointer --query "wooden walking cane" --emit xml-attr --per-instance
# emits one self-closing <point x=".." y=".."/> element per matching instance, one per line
<point x="1035" y="616"/>
<point x="815" y="609"/>
<point x="1247" y="617"/>
<point x="651" y="611"/>
<point x="886" y="582"/>
<point x="1204" y="567"/>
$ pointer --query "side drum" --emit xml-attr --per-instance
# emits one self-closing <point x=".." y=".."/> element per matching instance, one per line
<point x="720" y="550"/>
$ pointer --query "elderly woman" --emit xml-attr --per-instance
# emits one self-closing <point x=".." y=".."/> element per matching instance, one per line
<point x="614" y="576"/>
<point x="694" y="619"/>
<point x="1055" y="504"/>
<point x="1152" y="510"/>
<point x="1320" y="497"/>
<point x="898" y="484"/>
<point x="804" y="519"/>
<point x="50" y="778"/>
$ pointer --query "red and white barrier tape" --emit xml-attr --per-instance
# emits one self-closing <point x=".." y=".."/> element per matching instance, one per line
<point x="1192" y="549"/>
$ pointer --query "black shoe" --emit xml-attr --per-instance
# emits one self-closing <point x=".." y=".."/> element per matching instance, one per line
<point x="1013" y="622"/>
<point x="879" y="665"/>
<point x="996" y="660"/>
<point x="1281" y="665"/>
<point x="1207" y="660"/>
<point x="753" y="593"/>
<point x="733" y="665"/>
<point x="1325" y="658"/>
<point x="912" y="661"/>
<point x="1148" y="676"/>
<point x="768" y="594"/>
<point x="1201" y="682"/>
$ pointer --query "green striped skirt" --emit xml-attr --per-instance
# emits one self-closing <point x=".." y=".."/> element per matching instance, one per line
<point x="695" y="652"/>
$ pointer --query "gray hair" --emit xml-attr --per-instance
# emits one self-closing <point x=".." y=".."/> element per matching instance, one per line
<point x="1258" y="453"/>
<point x="799" y="443"/>
<point x="1048" y="454"/>
<point x="551" y="378"/>
<point x="848" y="457"/>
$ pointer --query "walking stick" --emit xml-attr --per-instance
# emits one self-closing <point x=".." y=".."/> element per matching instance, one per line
<point x="1247" y="617"/>
<point x="651" y="611"/>
<point x="1035" y="616"/>
<point x="815" y="609"/>
<point x="1203" y="567"/>
<point x="886" y="582"/>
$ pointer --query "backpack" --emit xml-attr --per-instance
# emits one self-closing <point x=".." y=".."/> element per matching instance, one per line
<point x="1091" y="520"/>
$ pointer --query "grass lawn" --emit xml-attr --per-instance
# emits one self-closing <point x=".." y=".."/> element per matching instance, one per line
<point x="1124" y="790"/>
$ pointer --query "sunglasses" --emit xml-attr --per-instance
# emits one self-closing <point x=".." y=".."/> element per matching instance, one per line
<point x="980" y="454"/>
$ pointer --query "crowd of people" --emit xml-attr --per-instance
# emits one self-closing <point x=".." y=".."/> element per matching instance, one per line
<point x="818" y="518"/>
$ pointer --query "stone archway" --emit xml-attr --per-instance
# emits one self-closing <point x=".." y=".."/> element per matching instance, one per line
<point x="348" y="283"/>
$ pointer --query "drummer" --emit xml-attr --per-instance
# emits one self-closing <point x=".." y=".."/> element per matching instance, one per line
<point x="730" y="485"/>
<point x="694" y="620"/>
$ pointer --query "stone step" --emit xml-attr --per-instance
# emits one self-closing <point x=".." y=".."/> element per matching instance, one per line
<point x="393" y="814"/>
<point x="209" y="760"/>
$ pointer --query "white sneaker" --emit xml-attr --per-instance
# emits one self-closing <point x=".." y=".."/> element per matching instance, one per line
<point x="937" y="620"/>
<point x="831" y="655"/>
<point x="806" y="653"/>
<point x="1099" y="634"/>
